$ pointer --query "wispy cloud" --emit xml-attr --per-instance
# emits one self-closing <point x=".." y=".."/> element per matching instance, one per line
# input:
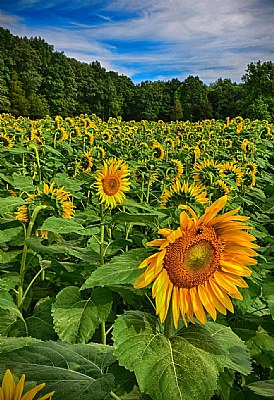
<point x="151" y="39"/>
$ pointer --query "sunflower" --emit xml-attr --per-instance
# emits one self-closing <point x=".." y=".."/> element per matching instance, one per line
<point x="230" y="171"/>
<point x="183" y="193"/>
<point x="200" y="264"/>
<point x="22" y="213"/>
<point x="5" y="141"/>
<point x="10" y="391"/>
<point x="57" y="199"/>
<point x="112" y="181"/>
<point x="206" y="172"/>
<point x="159" y="152"/>
<point x="86" y="161"/>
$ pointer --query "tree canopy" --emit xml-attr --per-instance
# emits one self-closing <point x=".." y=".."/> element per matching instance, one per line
<point x="36" y="80"/>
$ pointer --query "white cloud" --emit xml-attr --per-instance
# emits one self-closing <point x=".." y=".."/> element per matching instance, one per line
<point x="211" y="39"/>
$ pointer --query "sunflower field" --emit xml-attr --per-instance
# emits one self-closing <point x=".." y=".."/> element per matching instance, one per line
<point x="136" y="259"/>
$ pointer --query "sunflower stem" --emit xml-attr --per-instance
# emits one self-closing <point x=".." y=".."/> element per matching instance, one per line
<point x="102" y="234"/>
<point x="114" y="396"/>
<point x="23" y="267"/>
<point x="102" y="260"/>
<point x="168" y="323"/>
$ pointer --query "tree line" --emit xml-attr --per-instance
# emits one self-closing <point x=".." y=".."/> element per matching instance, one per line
<point x="36" y="80"/>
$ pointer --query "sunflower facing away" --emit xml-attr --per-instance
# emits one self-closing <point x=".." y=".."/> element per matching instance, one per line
<point x="112" y="181"/>
<point x="200" y="264"/>
<point x="10" y="391"/>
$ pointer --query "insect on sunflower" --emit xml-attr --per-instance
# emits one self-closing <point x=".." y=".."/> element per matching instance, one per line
<point x="112" y="181"/>
<point x="10" y="391"/>
<point x="200" y="264"/>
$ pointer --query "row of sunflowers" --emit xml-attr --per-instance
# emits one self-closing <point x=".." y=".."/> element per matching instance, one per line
<point x="85" y="298"/>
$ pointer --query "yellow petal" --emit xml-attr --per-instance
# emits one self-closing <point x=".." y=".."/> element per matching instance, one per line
<point x="214" y="300"/>
<point x="19" y="388"/>
<point x="206" y="302"/>
<point x="1" y="394"/>
<point x="47" y="396"/>
<point x="8" y="385"/>
<point x="175" y="306"/>
<point x="213" y="210"/>
<point x="31" y="393"/>
<point x="198" y="308"/>
<point x="221" y="295"/>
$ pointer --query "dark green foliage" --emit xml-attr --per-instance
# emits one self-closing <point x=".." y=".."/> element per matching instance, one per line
<point x="36" y="81"/>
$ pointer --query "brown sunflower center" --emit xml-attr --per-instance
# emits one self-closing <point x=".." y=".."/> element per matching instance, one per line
<point x="192" y="259"/>
<point x="111" y="185"/>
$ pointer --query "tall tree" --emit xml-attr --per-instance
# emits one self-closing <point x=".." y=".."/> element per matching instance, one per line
<point x="259" y="87"/>
<point x="224" y="97"/>
<point x="194" y="99"/>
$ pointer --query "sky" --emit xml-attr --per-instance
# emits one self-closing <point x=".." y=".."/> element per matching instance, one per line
<point x="152" y="40"/>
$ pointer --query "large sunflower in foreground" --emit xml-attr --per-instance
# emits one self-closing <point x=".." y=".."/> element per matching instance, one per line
<point x="112" y="181"/>
<point x="10" y="391"/>
<point x="200" y="264"/>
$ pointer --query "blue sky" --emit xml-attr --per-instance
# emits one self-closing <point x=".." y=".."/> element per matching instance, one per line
<point x="152" y="39"/>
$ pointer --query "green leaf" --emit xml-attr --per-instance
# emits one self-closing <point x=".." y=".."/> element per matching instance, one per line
<point x="73" y="371"/>
<point x="183" y="367"/>
<point x="8" y="344"/>
<point x="22" y="182"/>
<point x="61" y="225"/>
<point x="8" y="204"/>
<point x="263" y="388"/>
<point x="76" y="318"/>
<point x="40" y="323"/>
<point x="7" y="257"/>
<point x="122" y="269"/>
<point x="238" y="357"/>
<point x="7" y="303"/>
<point x="9" y="280"/>
<point x="268" y="293"/>
<point x="136" y="218"/>
<point x="7" y="319"/>
<point x="10" y="233"/>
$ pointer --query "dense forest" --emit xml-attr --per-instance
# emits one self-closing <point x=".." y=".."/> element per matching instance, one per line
<point x="35" y="81"/>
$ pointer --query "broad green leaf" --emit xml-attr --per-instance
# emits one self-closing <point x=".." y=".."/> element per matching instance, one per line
<point x="73" y="371"/>
<point x="237" y="354"/>
<point x="9" y="280"/>
<point x="8" y="344"/>
<point x="136" y="218"/>
<point x="7" y="303"/>
<point x="7" y="319"/>
<point x="7" y="257"/>
<point x="71" y="185"/>
<point x="122" y="269"/>
<point x="9" y="234"/>
<point x="268" y="293"/>
<point x="8" y="204"/>
<point x="22" y="182"/>
<point x="76" y="318"/>
<point x="263" y="388"/>
<point x="261" y="347"/>
<point x="183" y="367"/>
<point x="61" y="225"/>
<point x="40" y="324"/>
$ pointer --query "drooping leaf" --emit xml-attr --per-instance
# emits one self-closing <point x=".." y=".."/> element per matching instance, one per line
<point x="8" y="234"/>
<point x="8" y="204"/>
<point x="76" y="318"/>
<point x="167" y="369"/>
<point x="61" y="225"/>
<point x="238" y="357"/>
<point x="263" y="388"/>
<point x="8" y="344"/>
<point x="7" y="303"/>
<point x="73" y="371"/>
<point x="22" y="182"/>
<point x="122" y="269"/>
